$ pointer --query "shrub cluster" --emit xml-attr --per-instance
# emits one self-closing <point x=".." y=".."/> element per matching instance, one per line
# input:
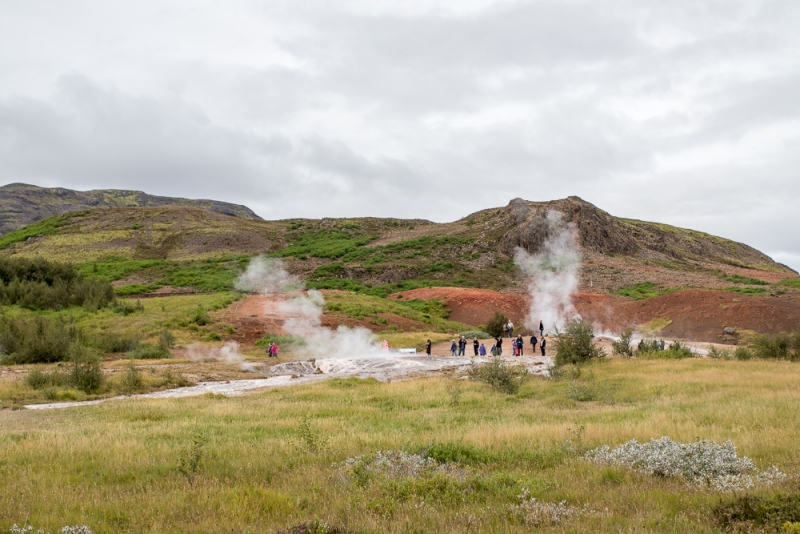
<point x="41" y="340"/>
<point x="702" y="463"/>
<point x="84" y="373"/>
<point x="39" y="284"/>
<point x="500" y="375"/>
<point x="780" y="512"/>
<point x="778" y="346"/>
<point x="494" y="326"/>
<point x="622" y="346"/>
<point x="651" y="348"/>
<point x="574" y="345"/>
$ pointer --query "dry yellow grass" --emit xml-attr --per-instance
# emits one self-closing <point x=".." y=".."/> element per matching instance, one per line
<point x="113" y="467"/>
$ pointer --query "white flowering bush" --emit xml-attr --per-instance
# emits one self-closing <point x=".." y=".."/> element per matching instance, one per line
<point x="76" y="529"/>
<point x="538" y="513"/>
<point x="702" y="463"/>
<point x="395" y="464"/>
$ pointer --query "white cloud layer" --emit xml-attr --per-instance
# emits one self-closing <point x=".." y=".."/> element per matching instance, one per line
<point x="681" y="112"/>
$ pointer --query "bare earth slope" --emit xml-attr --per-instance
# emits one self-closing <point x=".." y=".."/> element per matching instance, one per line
<point x="22" y="204"/>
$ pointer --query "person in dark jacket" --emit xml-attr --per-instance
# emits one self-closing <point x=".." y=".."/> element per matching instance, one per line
<point x="534" y="344"/>
<point x="453" y="348"/>
<point x="543" y="345"/>
<point x="462" y="346"/>
<point x="520" y="345"/>
<point x="499" y="345"/>
<point x="428" y="347"/>
<point x="475" y="345"/>
<point x="541" y="328"/>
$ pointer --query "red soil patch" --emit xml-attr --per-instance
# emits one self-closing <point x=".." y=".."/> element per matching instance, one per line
<point x="696" y="314"/>
<point x="472" y="306"/>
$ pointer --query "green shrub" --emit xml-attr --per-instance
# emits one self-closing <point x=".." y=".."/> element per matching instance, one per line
<point x="38" y="379"/>
<point x="41" y="340"/>
<point x="200" y="317"/>
<point x="574" y="345"/>
<point x="132" y="378"/>
<point x="166" y="340"/>
<point x="125" y="308"/>
<point x="775" y="347"/>
<point x="115" y="342"/>
<point x="146" y="351"/>
<point x="494" y="326"/>
<point x="651" y="348"/>
<point x="719" y="354"/>
<point x="39" y="284"/>
<point x="743" y="353"/>
<point x="85" y="372"/>
<point x="498" y="374"/>
<point x="738" y="279"/>
<point x="622" y="346"/>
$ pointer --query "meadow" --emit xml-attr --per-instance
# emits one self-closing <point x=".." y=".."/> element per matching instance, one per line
<point x="274" y="460"/>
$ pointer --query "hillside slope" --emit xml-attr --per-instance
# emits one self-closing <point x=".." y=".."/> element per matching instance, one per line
<point x="23" y="204"/>
<point x="367" y="254"/>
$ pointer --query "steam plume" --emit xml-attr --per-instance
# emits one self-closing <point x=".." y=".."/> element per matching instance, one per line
<point x="553" y="275"/>
<point x="302" y="312"/>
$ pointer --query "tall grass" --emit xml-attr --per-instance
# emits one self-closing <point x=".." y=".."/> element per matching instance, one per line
<point x="115" y="467"/>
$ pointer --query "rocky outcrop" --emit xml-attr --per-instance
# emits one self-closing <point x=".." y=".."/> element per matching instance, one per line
<point x="23" y="204"/>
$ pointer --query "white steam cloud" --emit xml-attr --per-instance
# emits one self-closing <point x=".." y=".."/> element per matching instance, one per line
<point x="553" y="275"/>
<point x="228" y="353"/>
<point x="302" y="313"/>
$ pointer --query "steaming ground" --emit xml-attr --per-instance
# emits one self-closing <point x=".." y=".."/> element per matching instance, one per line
<point x="384" y="366"/>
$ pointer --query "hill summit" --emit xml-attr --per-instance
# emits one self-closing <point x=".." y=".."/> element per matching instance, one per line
<point x="23" y="204"/>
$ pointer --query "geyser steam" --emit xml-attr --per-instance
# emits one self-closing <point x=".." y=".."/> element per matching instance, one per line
<point x="553" y="275"/>
<point x="302" y="312"/>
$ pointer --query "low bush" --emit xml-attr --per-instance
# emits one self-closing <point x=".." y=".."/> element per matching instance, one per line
<point x="622" y="346"/>
<point x="146" y="351"/>
<point x="501" y="376"/>
<point x="743" y="353"/>
<point x="574" y="345"/>
<point x="651" y="348"/>
<point x="115" y="342"/>
<point x="777" y="347"/>
<point x="720" y="353"/>
<point x="125" y="308"/>
<point x="494" y="326"/>
<point x="41" y="340"/>
<point x="39" y="284"/>
<point x="702" y="463"/>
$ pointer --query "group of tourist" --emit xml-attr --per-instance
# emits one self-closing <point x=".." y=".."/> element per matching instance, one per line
<point x="458" y="347"/>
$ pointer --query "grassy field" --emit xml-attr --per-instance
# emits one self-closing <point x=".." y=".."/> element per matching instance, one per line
<point x="264" y="462"/>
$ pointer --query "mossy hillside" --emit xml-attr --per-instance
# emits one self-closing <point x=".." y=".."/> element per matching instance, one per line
<point x="213" y="274"/>
<point x="432" y="313"/>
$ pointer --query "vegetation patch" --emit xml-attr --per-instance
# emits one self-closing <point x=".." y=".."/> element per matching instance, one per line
<point x="361" y="307"/>
<point x="738" y="279"/>
<point x="754" y="291"/>
<point x="791" y="282"/>
<point x="778" y="513"/>
<point x="575" y="344"/>
<point x="44" y="227"/>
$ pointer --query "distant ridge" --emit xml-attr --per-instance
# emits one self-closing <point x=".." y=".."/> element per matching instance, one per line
<point x="23" y="204"/>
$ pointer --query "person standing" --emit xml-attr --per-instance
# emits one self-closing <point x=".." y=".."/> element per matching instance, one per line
<point x="482" y="350"/>
<point x="428" y="347"/>
<point x="543" y="345"/>
<point x="475" y="346"/>
<point x="534" y="344"/>
<point x="462" y="346"/>
<point x="499" y="345"/>
<point x="453" y="348"/>
<point x="274" y="350"/>
<point x="520" y="345"/>
<point x="510" y="329"/>
<point x="541" y="328"/>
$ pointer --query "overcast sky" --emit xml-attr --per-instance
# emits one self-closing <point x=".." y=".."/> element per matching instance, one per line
<point x="681" y="111"/>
